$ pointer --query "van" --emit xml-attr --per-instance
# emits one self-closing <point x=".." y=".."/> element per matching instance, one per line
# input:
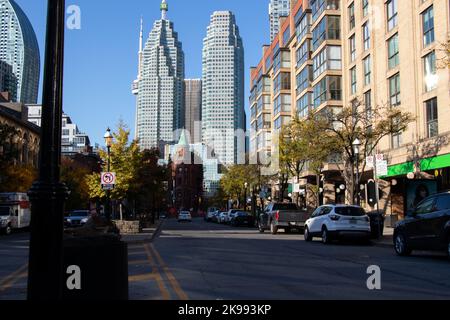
<point x="15" y="213"/>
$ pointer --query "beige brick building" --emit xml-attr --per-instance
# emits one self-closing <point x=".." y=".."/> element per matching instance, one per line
<point x="381" y="52"/>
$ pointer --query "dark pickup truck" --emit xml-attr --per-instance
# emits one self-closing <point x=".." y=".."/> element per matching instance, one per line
<point x="285" y="216"/>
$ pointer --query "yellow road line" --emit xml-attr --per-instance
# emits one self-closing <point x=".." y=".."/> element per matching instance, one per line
<point x="173" y="281"/>
<point x="142" y="277"/>
<point x="8" y="281"/>
<point x="159" y="280"/>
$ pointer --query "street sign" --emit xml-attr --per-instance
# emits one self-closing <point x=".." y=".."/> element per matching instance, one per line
<point x="382" y="168"/>
<point x="108" y="178"/>
<point x="108" y="187"/>
<point x="370" y="162"/>
<point x="379" y="157"/>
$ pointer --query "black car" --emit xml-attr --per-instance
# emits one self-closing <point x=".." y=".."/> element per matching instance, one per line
<point x="241" y="218"/>
<point x="426" y="227"/>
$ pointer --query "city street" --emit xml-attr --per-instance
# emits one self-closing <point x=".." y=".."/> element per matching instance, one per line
<point x="201" y="260"/>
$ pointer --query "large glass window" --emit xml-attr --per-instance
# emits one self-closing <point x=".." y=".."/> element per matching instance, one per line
<point x="428" y="26"/>
<point x="304" y="104"/>
<point x="393" y="52"/>
<point x="432" y="118"/>
<point x="430" y="76"/>
<point x="304" y="79"/>
<point x="352" y="46"/>
<point x="303" y="53"/>
<point x="365" y="6"/>
<point x="327" y="59"/>
<point x="367" y="70"/>
<point x="329" y="88"/>
<point x="282" y="103"/>
<point x="303" y="28"/>
<point x="353" y="81"/>
<point x="392" y="14"/>
<point x="319" y="6"/>
<point x="327" y="29"/>
<point x="366" y="36"/>
<point x="351" y="15"/>
<point x="394" y="90"/>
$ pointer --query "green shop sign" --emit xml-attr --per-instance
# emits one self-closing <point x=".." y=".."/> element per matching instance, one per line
<point x="434" y="163"/>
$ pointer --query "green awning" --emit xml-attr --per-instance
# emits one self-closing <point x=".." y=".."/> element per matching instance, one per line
<point x="434" y="163"/>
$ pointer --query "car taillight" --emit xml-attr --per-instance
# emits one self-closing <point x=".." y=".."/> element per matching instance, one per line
<point x="335" y="217"/>
<point x="277" y="216"/>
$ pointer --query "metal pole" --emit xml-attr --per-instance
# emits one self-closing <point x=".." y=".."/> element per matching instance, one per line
<point x="358" y="190"/>
<point x="108" y="192"/>
<point x="47" y="195"/>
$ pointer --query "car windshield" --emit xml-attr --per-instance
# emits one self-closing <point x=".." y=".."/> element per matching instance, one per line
<point x="4" y="211"/>
<point x="285" y="206"/>
<point x="350" y="211"/>
<point x="79" y="214"/>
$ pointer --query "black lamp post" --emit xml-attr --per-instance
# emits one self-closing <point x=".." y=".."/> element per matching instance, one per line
<point x="245" y="196"/>
<point x="356" y="147"/>
<point x="108" y="142"/>
<point x="48" y="194"/>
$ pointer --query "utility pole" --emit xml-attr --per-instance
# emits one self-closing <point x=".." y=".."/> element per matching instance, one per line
<point x="48" y="194"/>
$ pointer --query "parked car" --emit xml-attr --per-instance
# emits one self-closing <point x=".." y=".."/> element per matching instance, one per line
<point x="185" y="216"/>
<point x="223" y="217"/>
<point x="77" y="218"/>
<point x="426" y="227"/>
<point x="231" y="215"/>
<point x="216" y="217"/>
<point x="241" y="218"/>
<point x="332" y="222"/>
<point x="285" y="216"/>
<point x="209" y="216"/>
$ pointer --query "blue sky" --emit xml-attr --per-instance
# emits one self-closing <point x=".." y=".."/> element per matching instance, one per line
<point x="101" y="58"/>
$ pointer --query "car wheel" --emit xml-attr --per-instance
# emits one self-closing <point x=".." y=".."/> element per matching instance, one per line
<point x="401" y="245"/>
<point x="8" y="230"/>
<point x="260" y="228"/>
<point x="307" y="235"/>
<point x="273" y="228"/>
<point x="325" y="236"/>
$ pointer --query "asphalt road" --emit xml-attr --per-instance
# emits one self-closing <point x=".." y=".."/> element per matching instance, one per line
<point x="214" y="262"/>
<point x="199" y="260"/>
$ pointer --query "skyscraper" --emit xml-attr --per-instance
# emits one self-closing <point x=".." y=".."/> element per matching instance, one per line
<point x="159" y="87"/>
<point x="19" y="48"/>
<point x="223" y="113"/>
<point x="277" y="9"/>
<point x="193" y="105"/>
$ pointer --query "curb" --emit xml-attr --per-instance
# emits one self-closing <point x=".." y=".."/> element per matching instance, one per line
<point x="151" y="239"/>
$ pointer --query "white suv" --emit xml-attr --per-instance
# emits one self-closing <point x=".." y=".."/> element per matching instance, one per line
<point x="338" y="221"/>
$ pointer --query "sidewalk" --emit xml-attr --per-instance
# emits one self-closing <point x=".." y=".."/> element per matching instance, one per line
<point x="147" y="234"/>
<point x="387" y="240"/>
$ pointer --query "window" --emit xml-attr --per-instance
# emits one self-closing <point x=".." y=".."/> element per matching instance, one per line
<point x="367" y="70"/>
<point x="430" y="76"/>
<point x="366" y="36"/>
<point x="329" y="88"/>
<point x="428" y="26"/>
<point x="365" y="6"/>
<point x="391" y="8"/>
<point x="443" y="203"/>
<point x="327" y="29"/>
<point x="425" y="207"/>
<point x="328" y="59"/>
<point x="432" y="118"/>
<point x="351" y="15"/>
<point x="303" y="28"/>
<point x="353" y="79"/>
<point x="368" y="103"/>
<point x="303" y="53"/>
<point x="393" y="52"/>
<point x="394" y="90"/>
<point x="304" y="79"/>
<point x="352" y="48"/>
<point x="396" y="140"/>
<point x="303" y="105"/>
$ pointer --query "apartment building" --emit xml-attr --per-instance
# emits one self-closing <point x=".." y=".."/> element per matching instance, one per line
<point x="381" y="52"/>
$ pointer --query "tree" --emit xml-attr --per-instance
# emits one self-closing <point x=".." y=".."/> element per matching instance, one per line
<point x="369" y="125"/>
<point x="125" y="162"/>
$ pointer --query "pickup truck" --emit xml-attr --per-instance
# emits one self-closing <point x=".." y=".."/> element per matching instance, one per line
<point x="285" y="216"/>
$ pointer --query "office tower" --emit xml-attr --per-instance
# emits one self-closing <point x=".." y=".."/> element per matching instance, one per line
<point x="8" y="82"/>
<point x="193" y="105"/>
<point x="159" y="87"/>
<point x="19" y="48"/>
<point x="277" y="9"/>
<point x="223" y="114"/>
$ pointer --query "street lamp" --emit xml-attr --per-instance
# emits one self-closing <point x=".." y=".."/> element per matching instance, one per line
<point x="356" y="149"/>
<point x="108" y="142"/>
<point x="245" y="196"/>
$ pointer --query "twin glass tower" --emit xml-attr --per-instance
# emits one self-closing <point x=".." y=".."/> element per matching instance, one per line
<point x="160" y="109"/>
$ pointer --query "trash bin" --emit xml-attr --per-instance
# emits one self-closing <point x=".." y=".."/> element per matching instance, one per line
<point x="376" y="224"/>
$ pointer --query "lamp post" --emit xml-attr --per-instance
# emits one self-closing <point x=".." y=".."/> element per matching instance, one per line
<point x="245" y="196"/>
<point x="356" y="149"/>
<point x="48" y="194"/>
<point x="108" y="142"/>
